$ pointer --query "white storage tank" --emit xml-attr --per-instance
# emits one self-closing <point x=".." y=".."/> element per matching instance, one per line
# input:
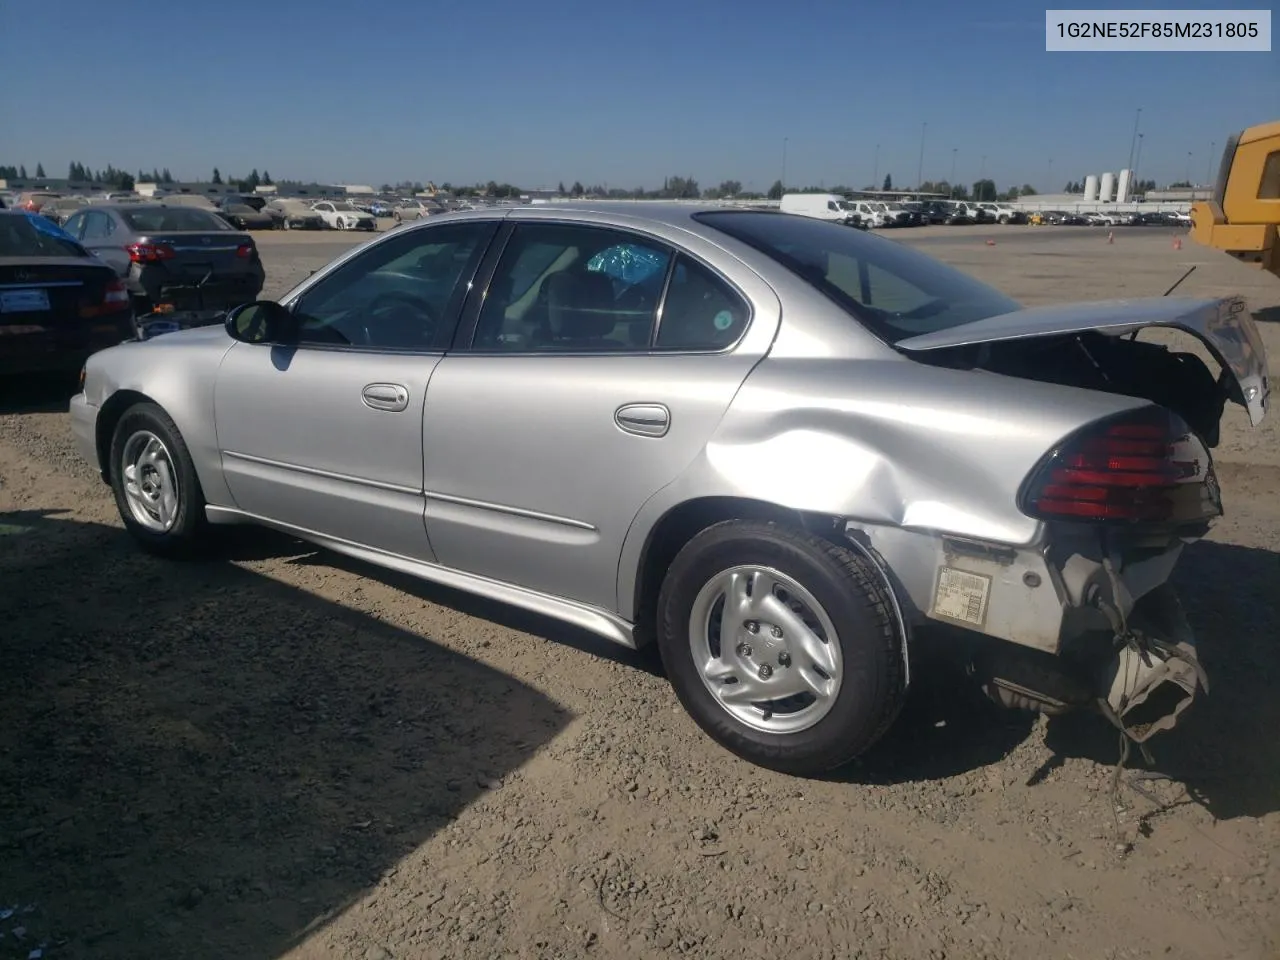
<point x="1106" y="193"/>
<point x="1124" y="187"/>
<point x="1091" y="188"/>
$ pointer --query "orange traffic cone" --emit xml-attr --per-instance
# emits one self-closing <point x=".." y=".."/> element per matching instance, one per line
<point x="1111" y="236"/>
<point x="1177" y="243"/>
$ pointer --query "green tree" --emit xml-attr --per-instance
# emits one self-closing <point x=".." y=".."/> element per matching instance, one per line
<point x="217" y="176"/>
<point x="560" y="189"/>
<point x="775" y="191"/>
<point x="577" y="189"/>
<point x="1027" y="190"/>
<point x="166" y="176"/>
<point x="40" y="170"/>
<point x="22" y="171"/>
<point x="266" y="178"/>
<point x="888" y="182"/>
<point x="984" y="191"/>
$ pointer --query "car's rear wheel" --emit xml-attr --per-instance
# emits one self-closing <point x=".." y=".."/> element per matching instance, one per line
<point x="155" y="484"/>
<point x="781" y="645"/>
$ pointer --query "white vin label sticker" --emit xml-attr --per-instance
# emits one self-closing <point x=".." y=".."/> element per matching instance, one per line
<point x="962" y="596"/>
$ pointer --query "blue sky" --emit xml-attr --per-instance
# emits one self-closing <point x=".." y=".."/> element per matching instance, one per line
<point x="622" y="93"/>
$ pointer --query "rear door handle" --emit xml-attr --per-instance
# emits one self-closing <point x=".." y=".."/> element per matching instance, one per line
<point x="643" y="419"/>
<point x="385" y="396"/>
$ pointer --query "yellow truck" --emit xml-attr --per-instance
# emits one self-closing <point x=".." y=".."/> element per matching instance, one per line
<point x="1243" y="218"/>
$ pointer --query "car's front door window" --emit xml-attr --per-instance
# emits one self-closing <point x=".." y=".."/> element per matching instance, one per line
<point x="401" y="294"/>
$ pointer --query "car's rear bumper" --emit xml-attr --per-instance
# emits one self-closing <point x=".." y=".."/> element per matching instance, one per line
<point x="84" y="428"/>
<point x="48" y="349"/>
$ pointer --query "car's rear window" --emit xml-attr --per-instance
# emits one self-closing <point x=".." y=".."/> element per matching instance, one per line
<point x="169" y="219"/>
<point x="35" y="236"/>
<point x="894" y="291"/>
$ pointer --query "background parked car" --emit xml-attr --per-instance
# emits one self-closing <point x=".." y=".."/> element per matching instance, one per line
<point x="33" y="200"/>
<point x="340" y="215"/>
<point x="293" y="215"/>
<point x="415" y="209"/>
<point x="172" y="257"/>
<point x="244" y="217"/>
<point x="60" y="208"/>
<point x="58" y="303"/>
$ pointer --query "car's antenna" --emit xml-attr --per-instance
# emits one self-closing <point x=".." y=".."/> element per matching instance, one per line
<point x="1190" y="271"/>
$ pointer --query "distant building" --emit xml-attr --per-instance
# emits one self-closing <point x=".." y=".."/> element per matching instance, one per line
<point x="55" y="185"/>
<point x="199" y="188"/>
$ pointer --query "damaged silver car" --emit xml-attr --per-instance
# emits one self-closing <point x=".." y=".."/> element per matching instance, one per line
<point x="774" y="446"/>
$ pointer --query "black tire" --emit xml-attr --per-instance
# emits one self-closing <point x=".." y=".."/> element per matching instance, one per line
<point x="853" y="596"/>
<point x="188" y="533"/>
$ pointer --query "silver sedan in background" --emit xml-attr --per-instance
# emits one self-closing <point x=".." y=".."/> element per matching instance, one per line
<point x="777" y="447"/>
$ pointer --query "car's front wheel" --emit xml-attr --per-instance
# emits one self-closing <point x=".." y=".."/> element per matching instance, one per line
<point x="155" y="484"/>
<point x="781" y="645"/>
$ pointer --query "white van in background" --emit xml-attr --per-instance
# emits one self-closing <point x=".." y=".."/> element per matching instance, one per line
<point x="820" y="206"/>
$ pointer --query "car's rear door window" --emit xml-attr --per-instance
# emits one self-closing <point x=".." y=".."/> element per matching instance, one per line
<point x="570" y="288"/>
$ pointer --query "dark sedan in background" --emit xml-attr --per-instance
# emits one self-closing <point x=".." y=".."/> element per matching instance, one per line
<point x="58" y="303"/>
<point x="244" y="216"/>
<point x="173" y="259"/>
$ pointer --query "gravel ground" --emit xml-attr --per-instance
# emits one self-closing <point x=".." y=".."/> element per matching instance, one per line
<point x="280" y="753"/>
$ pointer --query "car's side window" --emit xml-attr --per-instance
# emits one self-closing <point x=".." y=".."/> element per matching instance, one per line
<point x="700" y="311"/>
<point x="401" y="294"/>
<point x="96" y="225"/>
<point x="75" y="225"/>
<point x="572" y="289"/>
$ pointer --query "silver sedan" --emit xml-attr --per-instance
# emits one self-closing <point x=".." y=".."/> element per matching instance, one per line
<point x="780" y="448"/>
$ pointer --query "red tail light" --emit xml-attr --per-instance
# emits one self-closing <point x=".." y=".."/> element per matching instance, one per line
<point x="1143" y="467"/>
<point x="149" y="252"/>
<point x="115" y="298"/>
<point x="244" y="250"/>
<point x="116" y="292"/>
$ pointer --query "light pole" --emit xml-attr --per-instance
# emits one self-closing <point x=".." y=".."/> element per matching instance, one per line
<point x="784" y="164"/>
<point x="1134" y="139"/>
<point x="1049" y="176"/>
<point x="875" y="171"/>
<point x="1208" y="174"/>
<point x="920" y="166"/>
<point x="954" y="151"/>
<point x="1138" y="161"/>
<point x="1188" y="176"/>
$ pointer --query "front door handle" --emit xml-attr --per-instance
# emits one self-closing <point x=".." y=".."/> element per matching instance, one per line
<point x="643" y="419"/>
<point x="385" y="396"/>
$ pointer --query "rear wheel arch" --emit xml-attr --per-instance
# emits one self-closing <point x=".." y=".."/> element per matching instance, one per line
<point x="685" y="521"/>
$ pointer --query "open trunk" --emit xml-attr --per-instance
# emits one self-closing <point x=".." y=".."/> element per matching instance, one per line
<point x="1130" y="651"/>
<point x="1094" y="346"/>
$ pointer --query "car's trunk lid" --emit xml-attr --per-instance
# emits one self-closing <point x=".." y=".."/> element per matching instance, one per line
<point x="49" y="290"/>
<point x="1223" y="325"/>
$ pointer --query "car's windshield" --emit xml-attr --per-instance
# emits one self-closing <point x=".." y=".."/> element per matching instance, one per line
<point x="846" y="205"/>
<point x="162" y="219"/>
<point x="878" y="207"/>
<point x="894" y="206"/>
<point x="343" y="206"/>
<point x="22" y="235"/>
<point x="895" y="291"/>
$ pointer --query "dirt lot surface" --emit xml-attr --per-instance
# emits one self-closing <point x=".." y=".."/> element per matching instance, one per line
<point x="279" y="753"/>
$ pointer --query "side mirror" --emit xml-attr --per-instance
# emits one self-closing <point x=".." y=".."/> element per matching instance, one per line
<point x="262" y="321"/>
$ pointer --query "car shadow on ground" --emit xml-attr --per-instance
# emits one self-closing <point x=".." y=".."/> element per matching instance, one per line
<point x="1225" y="751"/>
<point x="197" y="761"/>
<point x="46" y="393"/>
